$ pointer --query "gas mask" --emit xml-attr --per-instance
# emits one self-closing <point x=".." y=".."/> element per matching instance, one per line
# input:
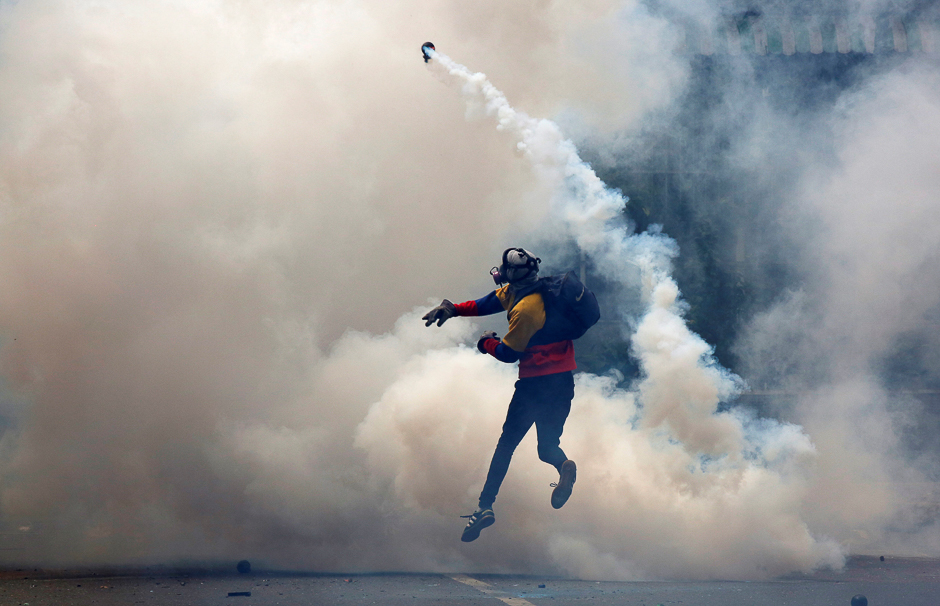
<point x="518" y="264"/>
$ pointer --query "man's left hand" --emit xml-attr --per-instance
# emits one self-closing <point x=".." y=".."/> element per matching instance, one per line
<point x="487" y="335"/>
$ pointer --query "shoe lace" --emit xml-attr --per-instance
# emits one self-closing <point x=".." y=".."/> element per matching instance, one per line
<point x="476" y="515"/>
<point x="553" y="484"/>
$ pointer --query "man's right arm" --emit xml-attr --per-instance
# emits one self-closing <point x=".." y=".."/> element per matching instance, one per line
<point x="484" y="306"/>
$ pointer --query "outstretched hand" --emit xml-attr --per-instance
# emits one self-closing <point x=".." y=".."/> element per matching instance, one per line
<point x="440" y="314"/>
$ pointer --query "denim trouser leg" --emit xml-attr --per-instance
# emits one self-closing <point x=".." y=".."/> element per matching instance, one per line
<point x="544" y="401"/>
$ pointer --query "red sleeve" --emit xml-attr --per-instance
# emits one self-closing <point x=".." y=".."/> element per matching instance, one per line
<point x="490" y="346"/>
<point x="467" y="308"/>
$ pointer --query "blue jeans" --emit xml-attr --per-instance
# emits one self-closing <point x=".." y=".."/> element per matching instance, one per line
<point x="545" y="401"/>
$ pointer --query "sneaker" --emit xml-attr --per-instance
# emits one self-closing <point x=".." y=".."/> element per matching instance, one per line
<point x="569" y="471"/>
<point x="479" y="520"/>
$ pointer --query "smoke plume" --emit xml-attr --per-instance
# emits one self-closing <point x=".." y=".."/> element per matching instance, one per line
<point x="221" y="222"/>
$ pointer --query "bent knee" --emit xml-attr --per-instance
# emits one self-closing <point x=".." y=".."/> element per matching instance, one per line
<point x="550" y="455"/>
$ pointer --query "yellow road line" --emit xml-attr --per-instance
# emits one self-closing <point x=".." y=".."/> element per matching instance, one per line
<point x="488" y="590"/>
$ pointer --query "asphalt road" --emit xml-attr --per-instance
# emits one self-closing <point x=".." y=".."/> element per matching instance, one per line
<point x="897" y="581"/>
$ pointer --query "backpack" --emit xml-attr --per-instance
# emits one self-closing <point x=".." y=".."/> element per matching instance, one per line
<point x="571" y="308"/>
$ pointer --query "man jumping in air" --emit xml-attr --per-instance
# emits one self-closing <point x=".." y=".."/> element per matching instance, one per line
<point x="545" y="386"/>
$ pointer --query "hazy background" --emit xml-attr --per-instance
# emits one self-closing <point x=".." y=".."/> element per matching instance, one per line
<point x="217" y="220"/>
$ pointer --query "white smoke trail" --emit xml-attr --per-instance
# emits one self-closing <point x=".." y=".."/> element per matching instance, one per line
<point x="705" y="467"/>
<point x="683" y="384"/>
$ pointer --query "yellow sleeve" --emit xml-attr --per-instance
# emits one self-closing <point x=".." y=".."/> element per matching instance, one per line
<point x="525" y="319"/>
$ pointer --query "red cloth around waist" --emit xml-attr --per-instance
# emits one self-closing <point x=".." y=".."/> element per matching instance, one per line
<point x="547" y="359"/>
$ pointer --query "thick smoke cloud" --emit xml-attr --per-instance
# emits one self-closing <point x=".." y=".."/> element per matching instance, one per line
<point x="201" y="205"/>
<point x="867" y="289"/>
<point x="833" y="166"/>
<point x="220" y="222"/>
